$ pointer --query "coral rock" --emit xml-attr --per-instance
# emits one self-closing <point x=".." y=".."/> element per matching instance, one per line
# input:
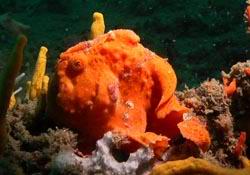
<point x="195" y="131"/>
<point x="247" y="71"/>
<point x="229" y="87"/>
<point x="194" y="166"/>
<point x="103" y="161"/>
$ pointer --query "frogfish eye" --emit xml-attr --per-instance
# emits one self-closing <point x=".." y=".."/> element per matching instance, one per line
<point x="76" y="65"/>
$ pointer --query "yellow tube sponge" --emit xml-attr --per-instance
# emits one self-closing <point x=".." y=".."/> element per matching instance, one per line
<point x="12" y="102"/>
<point x="45" y="84"/>
<point x="37" y="79"/>
<point x="245" y="161"/>
<point x="194" y="166"/>
<point x="98" y="25"/>
<point x="28" y="85"/>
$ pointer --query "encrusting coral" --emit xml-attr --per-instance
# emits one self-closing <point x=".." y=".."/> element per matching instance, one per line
<point x="193" y="129"/>
<point x="98" y="25"/>
<point x="211" y="104"/>
<point x="113" y="82"/>
<point x="229" y="87"/>
<point x="33" y="153"/>
<point x="226" y="114"/>
<point x="240" y="145"/>
<point x="195" y="166"/>
<point x="240" y="100"/>
<point x="247" y="71"/>
<point x="103" y="160"/>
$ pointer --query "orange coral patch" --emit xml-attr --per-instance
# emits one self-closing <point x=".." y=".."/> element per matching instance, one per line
<point x="195" y="131"/>
<point x="247" y="14"/>
<point x="229" y="87"/>
<point x="240" y="146"/>
<point x="148" y="139"/>
<point x="247" y="71"/>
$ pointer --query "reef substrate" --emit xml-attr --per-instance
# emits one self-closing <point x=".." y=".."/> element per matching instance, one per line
<point x="35" y="146"/>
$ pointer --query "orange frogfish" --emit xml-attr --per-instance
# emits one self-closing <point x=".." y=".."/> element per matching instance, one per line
<point x="113" y="83"/>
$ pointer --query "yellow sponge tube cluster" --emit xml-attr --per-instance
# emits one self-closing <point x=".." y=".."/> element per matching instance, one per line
<point x="39" y="73"/>
<point x="45" y="84"/>
<point x="98" y="25"/>
<point x="12" y="102"/>
<point x="39" y="83"/>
